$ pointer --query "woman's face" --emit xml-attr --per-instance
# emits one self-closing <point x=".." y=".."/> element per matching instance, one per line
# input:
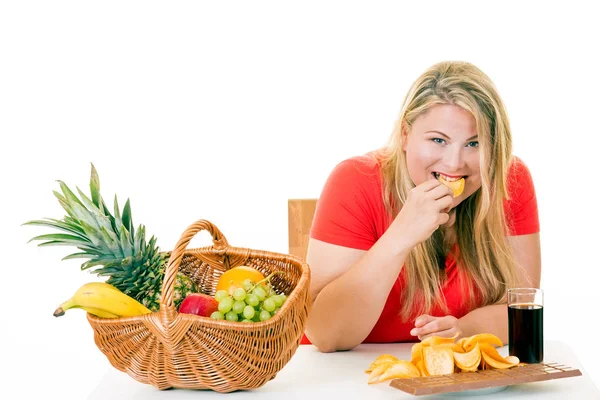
<point x="444" y="141"/>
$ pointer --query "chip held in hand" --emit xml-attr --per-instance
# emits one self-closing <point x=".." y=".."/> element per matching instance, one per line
<point x="457" y="186"/>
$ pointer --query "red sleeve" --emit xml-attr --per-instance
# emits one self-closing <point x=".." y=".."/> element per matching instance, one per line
<point x="347" y="209"/>
<point x="521" y="208"/>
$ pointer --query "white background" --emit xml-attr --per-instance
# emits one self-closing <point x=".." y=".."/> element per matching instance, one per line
<point x="223" y="112"/>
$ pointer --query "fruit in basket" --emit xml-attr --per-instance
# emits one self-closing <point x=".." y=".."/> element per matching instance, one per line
<point x="111" y="245"/>
<point x="198" y="304"/>
<point x="234" y="277"/>
<point x="251" y="302"/>
<point x="103" y="300"/>
<point x="438" y="355"/>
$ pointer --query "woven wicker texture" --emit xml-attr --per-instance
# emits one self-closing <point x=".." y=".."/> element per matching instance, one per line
<point x="483" y="379"/>
<point x="171" y="350"/>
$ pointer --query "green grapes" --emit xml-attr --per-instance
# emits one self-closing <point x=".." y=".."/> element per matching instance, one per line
<point x="225" y="305"/>
<point x="239" y="294"/>
<point x="231" y="316"/>
<point x="269" y="304"/>
<point x="217" y="315"/>
<point x="251" y="303"/>
<point x="252" y="300"/>
<point x="247" y="284"/>
<point x="260" y="292"/>
<point x="249" y="312"/>
<point x="220" y="295"/>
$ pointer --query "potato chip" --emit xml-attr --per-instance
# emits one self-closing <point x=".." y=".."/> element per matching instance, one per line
<point x="380" y="360"/>
<point x="438" y="360"/>
<point x="461" y="342"/>
<point x="436" y="340"/>
<point x="455" y="347"/>
<point x="457" y="186"/>
<point x="493" y="358"/>
<point x="415" y="353"/>
<point x="468" y="361"/>
<point x="400" y="369"/>
<point x="421" y="368"/>
<point x="489" y="360"/>
<point x="512" y="360"/>
<point x="378" y="371"/>
<point x="483" y="365"/>
<point x="482" y="338"/>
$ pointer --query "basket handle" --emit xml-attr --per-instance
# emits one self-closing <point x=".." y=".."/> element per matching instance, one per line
<point x="220" y="245"/>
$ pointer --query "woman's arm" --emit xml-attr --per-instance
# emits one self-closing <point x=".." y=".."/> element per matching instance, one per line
<point x="349" y="289"/>
<point x="493" y="318"/>
<point x="350" y="286"/>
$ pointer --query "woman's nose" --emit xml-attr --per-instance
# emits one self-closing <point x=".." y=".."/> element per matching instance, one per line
<point x="454" y="159"/>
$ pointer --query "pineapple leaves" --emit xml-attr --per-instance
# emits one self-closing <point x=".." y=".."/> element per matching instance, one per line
<point x="62" y="201"/>
<point x="119" y="227"/>
<point x="76" y="208"/>
<point x="107" y="262"/>
<point x="126" y="241"/>
<point x="105" y="224"/>
<point x="95" y="186"/>
<point x="127" y="220"/>
<point x="139" y="243"/>
<point x="102" y="219"/>
<point x="77" y="255"/>
<point x="61" y="237"/>
<point x="64" y="226"/>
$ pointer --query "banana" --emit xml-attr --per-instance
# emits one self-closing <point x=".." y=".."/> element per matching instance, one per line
<point x="103" y="300"/>
<point x="92" y="310"/>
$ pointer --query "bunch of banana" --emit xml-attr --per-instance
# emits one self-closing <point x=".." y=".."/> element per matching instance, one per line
<point x="103" y="300"/>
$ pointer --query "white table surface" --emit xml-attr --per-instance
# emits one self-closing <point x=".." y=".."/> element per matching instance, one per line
<point x="310" y="373"/>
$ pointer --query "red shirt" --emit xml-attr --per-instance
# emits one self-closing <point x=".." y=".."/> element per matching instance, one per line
<point x="350" y="213"/>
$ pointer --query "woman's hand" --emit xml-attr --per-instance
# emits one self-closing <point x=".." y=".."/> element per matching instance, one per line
<point x="425" y="210"/>
<point x="426" y="325"/>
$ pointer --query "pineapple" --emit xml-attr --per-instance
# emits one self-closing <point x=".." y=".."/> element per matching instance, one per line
<point x="111" y="245"/>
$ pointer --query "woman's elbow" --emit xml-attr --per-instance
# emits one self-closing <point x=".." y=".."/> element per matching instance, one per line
<point x="328" y="345"/>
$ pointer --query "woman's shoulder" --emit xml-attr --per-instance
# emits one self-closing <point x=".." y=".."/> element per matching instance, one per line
<point x="367" y="165"/>
<point x="350" y="210"/>
<point x="517" y="165"/>
<point x="519" y="175"/>
<point x="521" y="206"/>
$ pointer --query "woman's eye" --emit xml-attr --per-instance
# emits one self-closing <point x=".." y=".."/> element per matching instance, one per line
<point x="473" y="144"/>
<point x="438" y="140"/>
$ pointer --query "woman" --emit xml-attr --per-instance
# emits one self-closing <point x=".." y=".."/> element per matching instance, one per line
<point x="394" y="255"/>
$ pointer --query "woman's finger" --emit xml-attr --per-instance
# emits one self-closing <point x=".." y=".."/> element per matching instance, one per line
<point x="433" y="325"/>
<point x="446" y="333"/>
<point x="440" y="191"/>
<point x="423" y="319"/>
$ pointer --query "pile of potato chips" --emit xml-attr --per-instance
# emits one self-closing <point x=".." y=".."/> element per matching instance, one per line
<point x="437" y="355"/>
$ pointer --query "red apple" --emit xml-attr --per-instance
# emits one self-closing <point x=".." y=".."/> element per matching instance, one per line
<point x="199" y="304"/>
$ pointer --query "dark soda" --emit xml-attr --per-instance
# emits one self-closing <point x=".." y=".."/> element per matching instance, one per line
<point x="526" y="332"/>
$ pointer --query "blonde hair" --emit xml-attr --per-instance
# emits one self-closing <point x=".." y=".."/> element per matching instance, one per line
<point x="484" y="256"/>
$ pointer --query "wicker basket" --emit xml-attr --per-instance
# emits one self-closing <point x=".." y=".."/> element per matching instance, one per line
<point x="171" y="350"/>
